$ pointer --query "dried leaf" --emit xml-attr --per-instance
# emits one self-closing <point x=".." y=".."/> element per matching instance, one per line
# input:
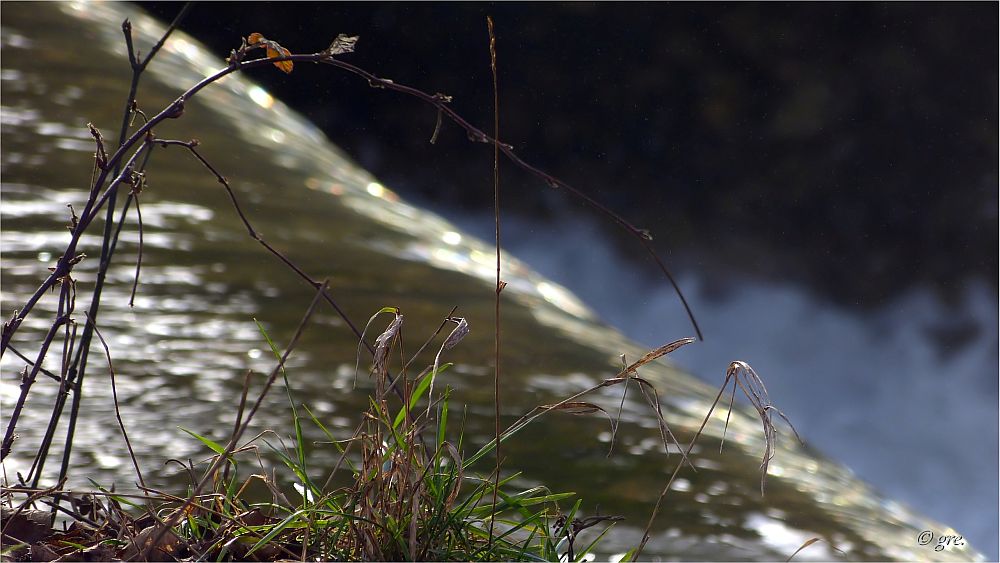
<point x="42" y="552"/>
<point x="384" y="340"/>
<point x="392" y="310"/>
<point x="99" y="552"/>
<point x="457" y="334"/>
<point x="26" y="526"/>
<point x="152" y="544"/>
<point x="274" y="50"/>
<point x="342" y="44"/>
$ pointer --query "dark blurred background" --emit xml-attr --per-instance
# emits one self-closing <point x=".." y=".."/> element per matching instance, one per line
<point x="849" y="146"/>
<point x="823" y="179"/>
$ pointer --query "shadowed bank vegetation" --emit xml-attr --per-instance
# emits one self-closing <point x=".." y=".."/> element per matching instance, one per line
<point x="406" y="486"/>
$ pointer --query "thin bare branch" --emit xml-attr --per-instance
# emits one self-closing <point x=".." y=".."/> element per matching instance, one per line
<point x="190" y="145"/>
<point x="166" y="34"/>
<point x="138" y="260"/>
<point x="114" y="397"/>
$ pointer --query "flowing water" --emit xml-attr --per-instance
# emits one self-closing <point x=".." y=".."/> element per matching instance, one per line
<point x="181" y="352"/>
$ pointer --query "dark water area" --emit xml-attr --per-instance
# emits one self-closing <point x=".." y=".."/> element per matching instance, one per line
<point x="897" y="381"/>
<point x="823" y="178"/>
<point x="848" y="148"/>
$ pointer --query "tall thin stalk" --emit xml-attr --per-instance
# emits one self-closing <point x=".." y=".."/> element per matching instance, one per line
<point x="500" y="282"/>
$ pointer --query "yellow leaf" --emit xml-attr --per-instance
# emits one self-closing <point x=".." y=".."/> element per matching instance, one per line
<point x="274" y="50"/>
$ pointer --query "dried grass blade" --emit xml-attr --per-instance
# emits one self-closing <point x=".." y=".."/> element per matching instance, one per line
<point x="811" y="541"/>
<point x="755" y="392"/>
<point x="729" y="413"/>
<point x="383" y="342"/>
<point x="576" y="407"/>
<point x="454" y="337"/>
<point x="580" y="408"/>
<point x="457" y="334"/>
<point x="414" y="512"/>
<point x="661" y="351"/>
<point x="361" y="340"/>
<point x="621" y="408"/>
<point x="457" y="458"/>
<point x="665" y="433"/>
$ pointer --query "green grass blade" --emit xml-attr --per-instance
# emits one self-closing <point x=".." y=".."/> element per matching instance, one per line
<point x="418" y="393"/>
<point x="212" y="445"/>
<point x="274" y="347"/>
<point x="114" y="497"/>
<point x="590" y="547"/>
<point x="277" y="529"/>
<point x="443" y="419"/>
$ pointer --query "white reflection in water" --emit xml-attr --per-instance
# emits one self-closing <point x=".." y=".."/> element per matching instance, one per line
<point x="783" y="539"/>
<point x="261" y="97"/>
